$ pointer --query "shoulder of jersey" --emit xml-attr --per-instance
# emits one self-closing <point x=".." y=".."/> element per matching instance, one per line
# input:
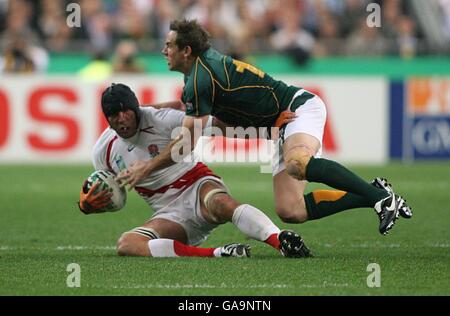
<point x="103" y="141"/>
<point x="155" y="115"/>
<point x="148" y="114"/>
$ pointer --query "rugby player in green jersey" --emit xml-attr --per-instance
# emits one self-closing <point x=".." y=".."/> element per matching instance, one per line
<point x="237" y="94"/>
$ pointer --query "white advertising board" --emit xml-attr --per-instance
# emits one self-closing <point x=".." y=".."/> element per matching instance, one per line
<point x="57" y="119"/>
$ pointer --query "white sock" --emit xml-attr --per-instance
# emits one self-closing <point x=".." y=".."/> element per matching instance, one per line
<point x="161" y="248"/>
<point x="217" y="252"/>
<point x="253" y="223"/>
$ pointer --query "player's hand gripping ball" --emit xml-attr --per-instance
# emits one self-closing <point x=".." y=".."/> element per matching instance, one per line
<point x="101" y="193"/>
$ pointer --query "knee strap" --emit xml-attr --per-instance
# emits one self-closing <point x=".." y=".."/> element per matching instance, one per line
<point x="210" y="194"/>
<point x="146" y="232"/>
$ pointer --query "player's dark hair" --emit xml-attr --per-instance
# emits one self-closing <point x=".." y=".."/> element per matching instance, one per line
<point x="119" y="97"/>
<point x="191" y="33"/>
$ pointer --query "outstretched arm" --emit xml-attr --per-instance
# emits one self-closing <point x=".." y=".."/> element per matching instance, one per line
<point x="176" y="105"/>
<point x="284" y="118"/>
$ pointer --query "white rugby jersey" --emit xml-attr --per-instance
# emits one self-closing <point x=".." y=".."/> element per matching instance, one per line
<point x="111" y="152"/>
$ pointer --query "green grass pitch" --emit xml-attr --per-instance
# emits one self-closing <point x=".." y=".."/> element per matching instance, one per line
<point x="42" y="231"/>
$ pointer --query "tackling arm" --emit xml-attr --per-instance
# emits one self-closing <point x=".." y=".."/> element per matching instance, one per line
<point x="179" y="148"/>
<point x="284" y="118"/>
<point x="176" y="105"/>
<point x="223" y="126"/>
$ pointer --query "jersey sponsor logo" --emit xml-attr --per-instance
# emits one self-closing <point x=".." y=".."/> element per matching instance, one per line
<point x="131" y="147"/>
<point x="153" y="150"/>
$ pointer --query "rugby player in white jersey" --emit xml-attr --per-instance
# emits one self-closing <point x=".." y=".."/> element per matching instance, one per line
<point x="189" y="200"/>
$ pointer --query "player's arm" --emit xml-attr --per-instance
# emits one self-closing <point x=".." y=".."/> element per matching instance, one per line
<point x="216" y="123"/>
<point x="176" y="105"/>
<point x="284" y="118"/>
<point x="90" y="201"/>
<point x="198" y="97"/>
<point x="181" y="146"/>
<point x="174" y="152"/>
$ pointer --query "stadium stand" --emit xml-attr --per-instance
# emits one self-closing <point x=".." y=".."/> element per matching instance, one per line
<point x="301" y="29"/>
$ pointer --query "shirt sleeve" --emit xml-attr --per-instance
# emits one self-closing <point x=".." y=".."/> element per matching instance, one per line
<point x="198" y="93"/>
<point x="98" y="159"/>
<point x="170" y="120"/>
<point x="99" y="151"/>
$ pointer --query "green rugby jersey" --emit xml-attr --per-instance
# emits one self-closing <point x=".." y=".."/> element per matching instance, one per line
<point x="235" y="92"/>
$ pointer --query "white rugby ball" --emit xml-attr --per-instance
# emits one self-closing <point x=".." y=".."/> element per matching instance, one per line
<point x="106" y="178"/>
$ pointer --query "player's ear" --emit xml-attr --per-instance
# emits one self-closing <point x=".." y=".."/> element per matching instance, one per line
<point x="187" y="51"/>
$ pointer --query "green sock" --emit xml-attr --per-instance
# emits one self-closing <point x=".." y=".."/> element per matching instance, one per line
<point x="337" y="176"/>
<point x="322" y="203"/>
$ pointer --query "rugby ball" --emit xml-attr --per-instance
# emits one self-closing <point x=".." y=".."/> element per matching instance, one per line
<point x="106" y="178"/>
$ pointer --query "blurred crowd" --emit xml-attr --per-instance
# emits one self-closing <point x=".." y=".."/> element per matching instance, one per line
<point x="29" y="29"/>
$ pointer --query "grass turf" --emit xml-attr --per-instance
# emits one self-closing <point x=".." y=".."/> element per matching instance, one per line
<point x="42" y="231"/>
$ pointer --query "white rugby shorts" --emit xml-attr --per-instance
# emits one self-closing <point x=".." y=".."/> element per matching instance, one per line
<point x="185" y="209"/>
<point x="311" y="118"/>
